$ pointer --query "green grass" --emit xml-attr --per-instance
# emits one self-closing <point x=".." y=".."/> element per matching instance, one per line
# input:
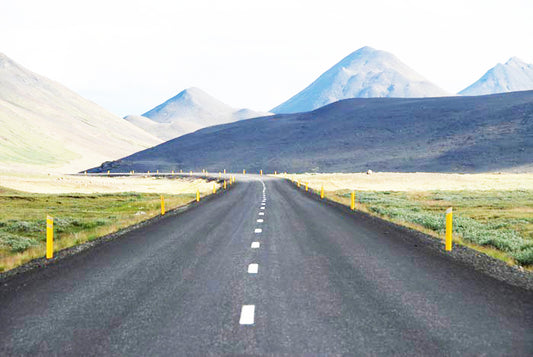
<point x="77" y="219"/>
<point x="501" y="220"/>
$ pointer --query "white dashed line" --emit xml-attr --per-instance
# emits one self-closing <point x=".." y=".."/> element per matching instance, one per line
<point x="247" y="315"/>
<point x="253" y="268"/>
<point x="258" y="230"/>
<point x="261" y="213"/>
<point x="260" y="220"/>
<point x="263" y="207"/>
<point x="255" y="245"/>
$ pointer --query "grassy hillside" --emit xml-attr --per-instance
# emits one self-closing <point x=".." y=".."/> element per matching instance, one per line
<point x="453" y="134"/>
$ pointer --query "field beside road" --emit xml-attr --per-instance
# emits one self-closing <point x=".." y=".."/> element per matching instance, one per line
<point x="493" y="213"/>
<point x="84" y="208"/>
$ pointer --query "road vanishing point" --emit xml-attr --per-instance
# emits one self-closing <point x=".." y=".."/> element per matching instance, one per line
<point x="263" y="269"/>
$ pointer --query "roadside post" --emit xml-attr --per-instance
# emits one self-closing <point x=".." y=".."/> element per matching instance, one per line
<point x="322" y="192"/>
<point x="244" y="171"/>
<point x="449" y="227"/>
<point x="261" y="173"/>
<point x="352" y="203"/>
<point x="214" y="188"/>
<point x="49" y="237"/>
<point x="162" y="205"/>
<point x="306" y="186"/>
<point x="197" y="195"/>
<point x="224" y="184"/>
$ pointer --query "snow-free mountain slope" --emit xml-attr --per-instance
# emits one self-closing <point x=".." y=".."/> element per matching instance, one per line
<point x="190" y="110"/>
<point x="365" y="73"/>
<point x="46" y="125"/>
<point x="447" y="134"/>
<point x="514" y="75"/>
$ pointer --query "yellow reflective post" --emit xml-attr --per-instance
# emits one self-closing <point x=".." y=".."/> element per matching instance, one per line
<point x="172" y="172"/>
<point x="352" y="203"/>
<point x="306" y="186"/>
<point x="449" y="226"/>
<point x="197" y="195"/>
<point x="157" y="171"/>
<point x="224" y="184"/>
<point x="107" y="172"/>
<point x="49" y="237"/>
<point x="219" y="174"/>
<point x="190" y="173"/>
<point x="244" y="171"/>
<point x="214" y="188"/>
<point x="224" y="171"/>
<point x="148" y="172"/>
<point x="133" y="172"/>
<point x="275" y="173"/>
<point x="322" y="192"/>
<point x="261" y="172"/>
<point x="162" y="205"/>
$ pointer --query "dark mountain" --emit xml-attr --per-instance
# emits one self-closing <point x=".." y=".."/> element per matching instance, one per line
<point x="449" y="134"/>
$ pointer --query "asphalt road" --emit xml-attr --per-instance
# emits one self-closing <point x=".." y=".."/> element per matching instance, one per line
<point x="327" y="282"/>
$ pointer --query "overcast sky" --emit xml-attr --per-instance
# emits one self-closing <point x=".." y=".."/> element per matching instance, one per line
<point x="130" y="56"/>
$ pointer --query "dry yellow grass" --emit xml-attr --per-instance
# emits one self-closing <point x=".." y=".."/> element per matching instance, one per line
<point x="58" y="184"/>
<point x="419" y="181"/>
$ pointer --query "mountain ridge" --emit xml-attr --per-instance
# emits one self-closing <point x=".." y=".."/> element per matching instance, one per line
<point x="365" y="73"/>
<point x="514" y="75"/>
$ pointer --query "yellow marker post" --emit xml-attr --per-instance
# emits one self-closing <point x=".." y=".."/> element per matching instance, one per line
<point x="85" y="173"/>
<point x="157" y="172"/>
<point x="162" y="205"/>
<point x="261" y="173"/>
<point x="197" y="195"/>
<point x="275" y="173"/>
<point x="190" y="173"/>
<point x="244" y="171"/>
<point x="148" y="172"/>
<point x="352" y="204"/>
<point x="107" y="172"/>
<point x="172" y="172"/>
<point x="224" y="184"/>
<point x="233" y="179"/>
<point x="49" y="237"/>
<point x="214" y="188"/>
<point x="133" y="172"/>
<point x="306" y="186"/>
<point x="449" y="226"/>
<point x="298" y="183"/>
<point x="181" y="171"/>
<point x="322" y="192"/>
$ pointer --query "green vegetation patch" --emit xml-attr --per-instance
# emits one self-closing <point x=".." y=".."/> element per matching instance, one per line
<point x="499" y="219"/>
<point x="77" y="218"/>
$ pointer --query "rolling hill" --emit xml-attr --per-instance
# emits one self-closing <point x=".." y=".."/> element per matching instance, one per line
<point x="448" y="134"/>
<point x="45" y="126"/>
<point x="365" y="73"/>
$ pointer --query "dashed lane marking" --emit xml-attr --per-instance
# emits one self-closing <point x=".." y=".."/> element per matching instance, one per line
<point x="253" y="268"/>
<point x="261" y="213"/>
<point x="260" y="220"/>
<point x="258" y="230"/>
<point x="247" y="315"/>
<point x="255" y="245"/>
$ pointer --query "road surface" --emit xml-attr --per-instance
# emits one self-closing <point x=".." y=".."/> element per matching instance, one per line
<point x="263" y="269"/>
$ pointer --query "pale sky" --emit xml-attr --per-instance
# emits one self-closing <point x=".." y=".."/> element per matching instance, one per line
<point x="129" y="56"/>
